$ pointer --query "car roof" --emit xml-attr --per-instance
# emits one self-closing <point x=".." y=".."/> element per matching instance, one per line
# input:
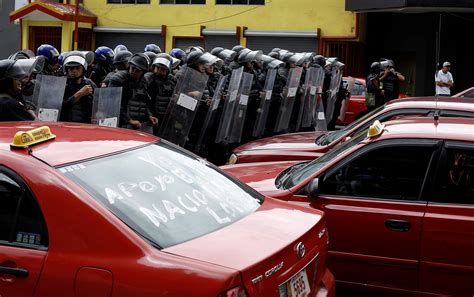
<point x="448" y="103"/>
<point x="74" y="141"/>
<point x="445" y="128"/>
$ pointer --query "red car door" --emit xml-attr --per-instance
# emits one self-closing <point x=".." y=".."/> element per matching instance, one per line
<point x="23" y="239"/>
<point x="447" y="260"/>
<point x="374" y="208"/>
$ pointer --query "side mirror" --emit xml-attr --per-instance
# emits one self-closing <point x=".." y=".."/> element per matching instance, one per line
<point x="312" y="188"/>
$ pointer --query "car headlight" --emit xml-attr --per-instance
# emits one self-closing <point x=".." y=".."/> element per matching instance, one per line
<point x="232" y="159"/>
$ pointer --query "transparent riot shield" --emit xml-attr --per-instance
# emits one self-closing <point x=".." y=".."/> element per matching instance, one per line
<point x="211" y="114"/>
<point x="48" y="97"/>
<point x="238" y="118"/>
<point x="289" y="95"/>
<point x="106" y="106"/>
<point x="336" y="78"/>
<point x="181" y="111"/>
<point x="349" y="86"/>
<point x="265" y="99"/>
<point x="313" y="89"/>
<point x="320" y="123"/>
<point x="223" y="132"/>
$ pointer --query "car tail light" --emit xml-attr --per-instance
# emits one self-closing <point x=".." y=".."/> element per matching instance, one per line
<point x="235" y="292"/>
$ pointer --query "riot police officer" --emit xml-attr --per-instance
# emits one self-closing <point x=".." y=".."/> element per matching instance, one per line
<point x="120" y="63"/>
<point x="11" y="109"/>
<point x="51" y="56"/>
<point x="161" y="85"/>
<point x="78" y="95"/>
<point x="135" y="112"/>
<point x="151" y="47"/>
<point x="374" y="95"/>
<point x="104" y="57"/>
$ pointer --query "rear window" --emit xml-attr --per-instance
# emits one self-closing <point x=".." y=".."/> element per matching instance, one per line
<point x="165" y="194"/>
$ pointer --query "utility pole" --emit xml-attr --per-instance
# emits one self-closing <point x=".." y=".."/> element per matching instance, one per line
<point x="76" y="26"/>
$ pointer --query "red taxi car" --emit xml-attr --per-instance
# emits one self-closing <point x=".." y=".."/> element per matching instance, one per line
<point x="92" y="211"/>
<point x="467" y="93"/>
<point x="399" y="204"/>
<point x="310" y="145"/>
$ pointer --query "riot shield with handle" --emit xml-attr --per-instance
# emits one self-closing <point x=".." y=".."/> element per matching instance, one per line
<point x="223" y="132"/>
<point x="238" y="118"/>
<point x="289" y="94"/>
<point x="313" y="89"/>
<point x="106" y="106"/>
<point x="349" y="86"/>
<point x="48" y="97"/>
<point x="336" y="78"/>
<point x="265" y="99"/>
<point x="211" y="115"/>
<point x="182" y="108"/>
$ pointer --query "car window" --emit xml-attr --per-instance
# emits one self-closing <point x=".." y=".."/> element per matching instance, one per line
<point x="389" y="172"/>
<point x="21" y="221"/>
<point x="334" y="135"/>
<point x="358" y="90"/>
<point x="290" y="178"/>
<point x="165" y="194"/>
<point x="455" y="179"/>
<point x="469" y="94"/>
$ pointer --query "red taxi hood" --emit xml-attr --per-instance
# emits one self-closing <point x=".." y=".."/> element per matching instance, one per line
<point x="292" y="141"/>
<point x="261" y="241"/>
<point x="260" y="176"/>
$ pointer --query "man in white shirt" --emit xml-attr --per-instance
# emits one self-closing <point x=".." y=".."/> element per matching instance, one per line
<point x="444" y="80"/>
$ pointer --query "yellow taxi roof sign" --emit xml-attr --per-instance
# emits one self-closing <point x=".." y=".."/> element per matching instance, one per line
<point x="375" y="129"/>
<point x="23" y="139"/>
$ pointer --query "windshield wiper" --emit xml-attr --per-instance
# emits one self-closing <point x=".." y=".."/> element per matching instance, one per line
<point x="323" y="139"/>
<point x="283" y="177"/>
<point x="318" y="139"/>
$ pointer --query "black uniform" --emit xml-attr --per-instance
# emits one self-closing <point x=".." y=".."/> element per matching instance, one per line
<point x="80" y="111"/>
<point x="136" y="102"/>
<point x="160" y="89"/>
<point x="12" y="109"/>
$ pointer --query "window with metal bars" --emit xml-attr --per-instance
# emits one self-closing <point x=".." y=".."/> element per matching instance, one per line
<point x="241" y="2"/>
<point x="128" y="1"/>
<point x="182" y="1"/>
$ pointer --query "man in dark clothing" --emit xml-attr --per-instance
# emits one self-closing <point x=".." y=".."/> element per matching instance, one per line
<point x="135" y="111"/>
<point x="11" y="109"/>
<point x="78" y="95"/>
<point x="161" y="85"/>
<point x="374" y="95"/>
<point x="104" y="57"/>
<point x="390" y="80"/>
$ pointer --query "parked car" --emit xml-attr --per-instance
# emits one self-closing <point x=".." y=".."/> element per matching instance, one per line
<point x="399" y="204"/>
<point x="467" y="93"/>
<point x="310" y="145"/>
<point x="94" y="211"/>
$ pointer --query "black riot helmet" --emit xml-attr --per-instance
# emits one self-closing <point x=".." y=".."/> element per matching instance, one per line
<point x="375" y="67"/>
<point x="121" y="59"/>
<point x="11" y="69"/>
<point x="194" y="58"/>
<point x="319" y="60"/>
<point x="140" y="61"/>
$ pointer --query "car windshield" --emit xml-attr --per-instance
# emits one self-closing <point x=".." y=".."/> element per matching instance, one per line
<point x="329" y="137"/>
<point x="303" y="172"/>
<point x="165" y="194"/>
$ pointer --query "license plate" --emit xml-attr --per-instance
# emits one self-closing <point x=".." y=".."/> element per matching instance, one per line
<point x="297" y="286"/>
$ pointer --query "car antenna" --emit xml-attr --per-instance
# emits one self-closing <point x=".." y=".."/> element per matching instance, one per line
<point x="438" y="43"/>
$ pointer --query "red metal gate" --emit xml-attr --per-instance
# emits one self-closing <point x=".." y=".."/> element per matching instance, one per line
<point x="41" y="35"/>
